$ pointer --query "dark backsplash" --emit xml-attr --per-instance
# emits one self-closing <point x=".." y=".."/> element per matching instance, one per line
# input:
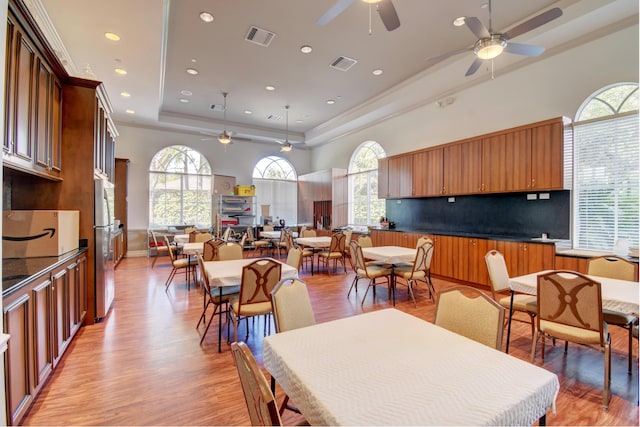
<point x="496" y="214"/>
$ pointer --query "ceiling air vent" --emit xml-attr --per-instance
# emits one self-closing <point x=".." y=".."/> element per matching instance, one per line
<point x="274" y="117"/>
<point x="259" y="36"/>
<point x="216" y="107"/>
<point x="343" y="63"/>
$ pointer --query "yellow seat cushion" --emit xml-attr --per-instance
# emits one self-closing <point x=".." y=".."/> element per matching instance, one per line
<point x="521" y="302"/>
<point x="250" y="309"/>
<point x="572" y="333"/>
<point x="617" y="318"/>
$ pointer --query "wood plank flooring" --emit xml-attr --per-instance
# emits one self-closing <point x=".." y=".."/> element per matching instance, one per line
<point x="144" y="366"/>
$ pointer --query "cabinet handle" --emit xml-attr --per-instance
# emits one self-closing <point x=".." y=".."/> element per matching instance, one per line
<point x="444" y="190"/>
<point x="533" y="183"/>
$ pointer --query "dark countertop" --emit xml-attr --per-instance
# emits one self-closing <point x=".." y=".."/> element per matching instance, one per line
<point x="16" y="272"/>
<point x="524" y="239"/>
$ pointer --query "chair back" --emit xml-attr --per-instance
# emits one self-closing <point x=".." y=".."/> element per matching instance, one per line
<point x="243" y="240"/>
<point x="498" y="274"/>
<point x="469" y="312"/>
<point x="153" y="236"/>
<point x="250" y="237"/>
<point x="172" y="256"/>
<point x="302" y="230"/>
<point x="201" y="236"/>
<point x="571" y="299"/>
<point x="294" y="257"/>
<point x="357" y="258"/>
<point x="308" y="233"/>
<point x="258" y="280"/>
<point x="347" y="237"/>
<point x="210" y="249"/>
<point x="227" y="234"/>
<point x="289" y="240"/>
<point x="291" y="305"/>
<point x="262" y="406"/>
<point x="612" y="267"/>
<point x="337" y="243"/>
<point x="424" y="253"/>
<point x="229" y="251"/>
<point x="365" y="242"/>
<point x="422" y="240"/>
<point x="204" y="277"/>
<point x="192" y="236"/>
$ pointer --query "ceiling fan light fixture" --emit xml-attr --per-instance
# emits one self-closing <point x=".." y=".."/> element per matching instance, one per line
<point x="372" y="1"/>
<point x="224" y="138"/>
<point x="490" y="47"/>
<point x="286" y="147"/>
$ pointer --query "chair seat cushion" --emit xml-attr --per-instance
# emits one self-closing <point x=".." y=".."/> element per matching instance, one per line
<point x="571" y="333"/>
<point x="521" y="302"/>
<point x="407" y="273"/>
<point x="374" y="271"/>
<point x="250" y="309"/>
<point x="331" y="255"/>
<point x="617" y="318"/>
<point x="182" y="263"/>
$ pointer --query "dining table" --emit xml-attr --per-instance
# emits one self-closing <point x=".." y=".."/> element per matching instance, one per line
<point x="229" y="273"/>
<point x="275" y="234"/>
<point x="181" y="238"/>
<point x="191" y="249"/>
<point x="318" y="242"/>
<point x="392" y="256"/>
<point x="388" y="367"/>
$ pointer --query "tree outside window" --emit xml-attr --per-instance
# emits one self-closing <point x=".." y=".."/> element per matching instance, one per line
<point x="364" y="206"/>
<point x="276" y="185"/>
<point x="179" y="188"/>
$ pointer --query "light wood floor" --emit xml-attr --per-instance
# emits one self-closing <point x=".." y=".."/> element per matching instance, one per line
<point x="144" y="366"/>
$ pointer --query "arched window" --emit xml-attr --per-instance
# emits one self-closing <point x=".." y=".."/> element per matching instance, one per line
<point x="364" y="206"/>
<point x="276" y="184"/>
<point x="606" y="163"/>
<point x="179" y="188"/>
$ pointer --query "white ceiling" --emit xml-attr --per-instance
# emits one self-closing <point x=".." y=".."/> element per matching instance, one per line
<point x="160" y="39"/>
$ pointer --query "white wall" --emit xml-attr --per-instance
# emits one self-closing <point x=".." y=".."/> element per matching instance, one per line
<point x="555" y="86"/>
<point x="139" y="145"/>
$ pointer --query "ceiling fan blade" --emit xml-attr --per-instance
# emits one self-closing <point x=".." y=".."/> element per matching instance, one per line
<point x="388" y="15"/>
<point x="448" y="54"/>
<point x="477" y="27"/>
<point x="474" y="67"/>
<point x="524" y="49"/>
<point x="334" y="11"/>
<point x="534" y="22"/>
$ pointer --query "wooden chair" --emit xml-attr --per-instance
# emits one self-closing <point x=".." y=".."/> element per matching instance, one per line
<point x="499" y="281"/>
<point x="228" y="234"/>
<point x="258" y="280"/>
<point x="199" y="236"/>
<point x="422" y="240"/>
<point x="308" y="233"/>
<point x="420" y="270"/>
<point x="616" y="268"/>
<point x="160" y="249"/>
<point x="369" y="271"/>
<point x="282" y="243"/>
<point x="263" y="410"/>
<point x="229" y="251"/>
<point x="176" y="264"/>
<point x="257" y="244"/>
<point x="365" y="242"/>
<point x="347" y="239"/>
<point x="294" y="258"/>
<point x="212" y="297"/>
<point x="188" y="230"/>
<point x="469" y="312"/>
<point x="570" y="309"/>
<point x="210" y="249"/>
<point x="335" y="253"/>
<point x="292" y="309"/>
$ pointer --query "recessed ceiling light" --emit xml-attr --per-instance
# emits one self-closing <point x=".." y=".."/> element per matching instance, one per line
<point x="206" y="17"/>
<point x="130" y="111"/>
<point x="248" y="112"/>
<point x="306" y="49"/>
<point x="112" y="36"/>
<point x="125" y="94"/>
<point x="184" y="101"/>
<point x="121" y="71"/>
<point x="484" y="5"/>
<point x="186" y="92"/>
<point x="331" y="101"/>
<point x="299" y="121"/>
<point x="459" y="21"/>
<point x="377" y="72"/>
<point x="270" y="88"/>
<point x="192" y="71"/>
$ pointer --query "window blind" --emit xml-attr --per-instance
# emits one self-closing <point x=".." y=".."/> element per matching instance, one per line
<point x="606" y="184"/>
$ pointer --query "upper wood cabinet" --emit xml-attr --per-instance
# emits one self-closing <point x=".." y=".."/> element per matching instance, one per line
<point x="547" y="156"/>
<point x="33" y="95"/>
<point x="462" y="168"/>
<point x="428" y="173"/>
<point x="506" y="160"/>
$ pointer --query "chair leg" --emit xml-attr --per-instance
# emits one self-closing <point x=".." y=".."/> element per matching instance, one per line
<point x="606" y="396"/>
<point x="354" y="283"/>
<point x="630" y="328"/>
<point x="410" y="284"/>
<point x="534" y="343"/>
<point x="169" y="279"/>
<point x="155" y="258"/>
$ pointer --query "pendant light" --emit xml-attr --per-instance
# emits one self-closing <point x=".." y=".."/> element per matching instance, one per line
<point x="224" y="137"/>
<point x="286" y="145"/>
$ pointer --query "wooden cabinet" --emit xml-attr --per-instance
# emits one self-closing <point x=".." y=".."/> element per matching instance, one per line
<point x="428" y="173"/>
<point x="547" y="156"/>
<point x="121" y="178"/>
<point x="42" y="317"/>
<point x="117" y="243"/>
<point x="524" y="258"/>
<point x="462" y="168"/>
<point x="506" y="162"/>
<point x="571" y="263"/>
<point x="33" y="96"/>
<point x="383" y="178"/>
<point x="395" y="180"/>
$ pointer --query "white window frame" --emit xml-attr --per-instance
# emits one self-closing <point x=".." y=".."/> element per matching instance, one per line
<point x="276" y="183"/>
<point x="375" y="207"/>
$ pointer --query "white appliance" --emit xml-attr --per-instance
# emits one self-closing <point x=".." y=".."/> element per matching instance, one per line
<point x="103" y="227"/>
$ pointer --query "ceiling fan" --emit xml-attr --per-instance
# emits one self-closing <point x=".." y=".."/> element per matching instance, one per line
<point x="286" y="145"/>
<point x="385" y="9"/>
<point x="491" y="44"/>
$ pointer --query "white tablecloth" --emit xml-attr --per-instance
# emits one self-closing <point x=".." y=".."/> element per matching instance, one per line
<point x="390" y="368"/>
<point x="315" y="242"/>
<point x="390" y="254"/>
<point x="192" y="248"/>
<point x="618" y="295"/>
<point x="181" y="238"/>
<point x="275" y="234"/>
<point x="229" y="273"/>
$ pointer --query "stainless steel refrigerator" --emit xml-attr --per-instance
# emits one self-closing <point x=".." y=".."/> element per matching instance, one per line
<point x="103" y="227"/>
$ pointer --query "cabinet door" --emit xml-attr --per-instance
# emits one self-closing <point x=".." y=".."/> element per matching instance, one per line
<point x="547" y="157"/>
<point x="427" y="173"/>
<point x="23" y="98"/>
<point x="81" y="275"/>
<point x="462" y="168"/>
<point x="9" y="85"/>
<point x="43" y="328"/>
<point x="383" y="178"/>
<point x="400" y="174"/>
<point x="17" y="360"/>
<point x="477" y="266"/>
<point x="42" y="115"/>
<point x="72" y="298"/>
<point x="444" y="257"/>
<point x="55" y="163"/>
<point x="61" y="313"/>
<point x="506" y="162"/>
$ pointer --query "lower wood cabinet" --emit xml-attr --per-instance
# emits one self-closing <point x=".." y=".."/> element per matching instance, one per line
<point x="41" y="318"/>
